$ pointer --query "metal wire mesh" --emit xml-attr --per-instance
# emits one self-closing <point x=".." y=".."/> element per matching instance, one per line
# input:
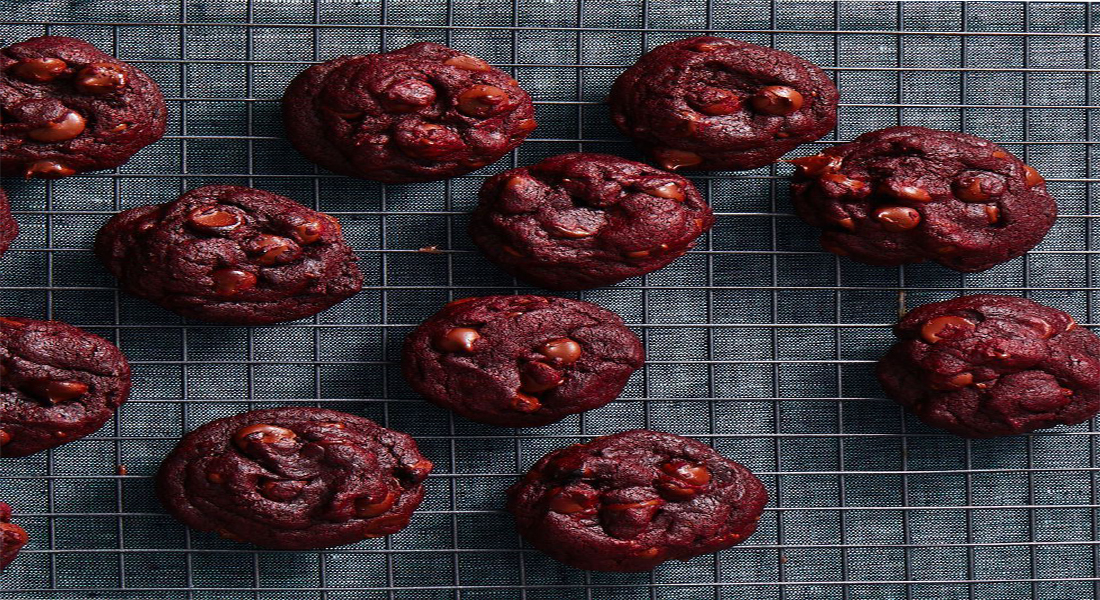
<point x="757" y="341"/>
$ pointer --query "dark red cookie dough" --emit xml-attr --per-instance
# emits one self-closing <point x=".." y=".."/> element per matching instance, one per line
<point x="8" y="227"/>
<point x="294" y="478"/>
<point x="521" y="361"/>
<point x="70" y="108"/>
<point x="231" y="254"/>
<point x="12" y="536"/>
<point x="631" y="501"/>
<point x="908" y="194"/>
<point x="713" y="103"/>
<point x="58" y="383"/>
<point x="986" y="365"/>
<point x="421" y="113"/>
<point x="579" y="221"/>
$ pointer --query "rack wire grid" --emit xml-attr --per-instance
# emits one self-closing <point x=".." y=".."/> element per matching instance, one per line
<point x="757" y="342"/>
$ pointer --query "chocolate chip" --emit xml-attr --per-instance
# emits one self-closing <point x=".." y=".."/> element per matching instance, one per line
<point x="992" y="213"/>
<point x="39" y="70"/>
<point x="539" y="377"/>
<point x="57" y="391"/>
<point x="459" y="339"/>
<point x="816" y="165"/>
<point x="525" y="126"/>
<point x="897" y="218"/>
<point x="5" y="437"/>
<point x="846" y="223"/>
<point x="100" y="78"/>
<point x="843" y="181"/>
<point x="716" y="102"/>
<point x="948" y="325"/>
<point x="274" y="250"/>
<point x="366" y="508"/>
<point x="309" y="231"/>
<point x="571" y="232"/>
<point x="408" y="95"/>
<point x="1000" y="154"/>
<point x="214" y="218"/>
<point x="670" y="190"/>
<point x="66" y="127"/>
<point x="562" y="350"/>
<point x="229" y="282"/>
<point x="571" y="502"/>
<point x="961" y="380"/>
<point x="467" y="62"/>
<point x="978" y="187"/>
<point x="671" y="159"/>
<point x="1032" y="177"/>
<point x="11" y="322"/>
<point x="706" y="46"/>
<point x="215" y="477"/>
<point x="262" y="433"/>
<point x="633" y="505"/>
<point x="909" y="193"/>
<point x="350" y="114"/>
<point x="281" y="491"/>
<point x="482" y="101"/>
<point x="777" y="100"/>
<point x="637" y="254"/>
<point x="525" y="403"/>
<point x="693" y="473"/>
<point x="675" y="489"/>
<point x="428" y="140"/>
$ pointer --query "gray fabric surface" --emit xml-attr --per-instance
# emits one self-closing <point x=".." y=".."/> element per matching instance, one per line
<point x="757" y="342"/>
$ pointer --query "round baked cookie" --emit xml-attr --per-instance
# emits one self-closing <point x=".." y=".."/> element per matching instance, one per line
<point x="521" y="361"/>
<point x="579" y="221"/>
<point x="12" y="536"/>
<point x="908" y="194"/>
<point x="985" y="365"/>
<point x="631" y="501"/>
<point x="70" y="108"/>
<point x="421" y="113"/>
<point x="8" y="227"/>
<point x="231" y="254"/>
<point x="294" y="478"/>
<point x="717" y="104"/>
<point x="58" y="383"/>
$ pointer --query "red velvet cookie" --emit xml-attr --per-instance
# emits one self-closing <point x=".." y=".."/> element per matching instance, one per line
<point x="421" y="113"/>
<point x="70" y="108"/>
<point x="713" y="103"/>
<point x="631" y="501"/>
<point x="908" y="194"/>
<point x="579" y="221"/>
<point x="231" y="254"/>
<point x="521" y="361"/>
<point x="12" y="536"/>
<point x="58" y="383"/>
<point x="986" y="365"/>
<point x="294" y="478"/>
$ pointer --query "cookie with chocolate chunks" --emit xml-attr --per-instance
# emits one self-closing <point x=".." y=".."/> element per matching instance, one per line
<point x="521" y="361"/>
<point x="716" y="104"/>
<point x="421" y="113"/>
<point x="579" y="221"/>
<point x="69" y="107"/>
<point x="231" y="254"/>
<point x="294" y="478"/>
<point x="633" y="500"/>
<point x="12" y="536"/>
<point x="58" y="383"/>
<point x="909" y="194"/>
<point x="986" y="365"/>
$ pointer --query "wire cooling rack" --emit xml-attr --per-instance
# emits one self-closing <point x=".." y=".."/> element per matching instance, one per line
<point x="757" y="342"/>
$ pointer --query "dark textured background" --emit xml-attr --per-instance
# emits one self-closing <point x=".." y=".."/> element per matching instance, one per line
<point x="757" y="341"/>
